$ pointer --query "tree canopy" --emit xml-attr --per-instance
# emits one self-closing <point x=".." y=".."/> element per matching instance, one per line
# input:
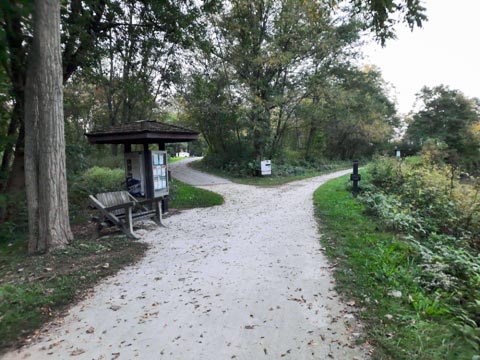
<point x="263" y="78"/>
<point x="447" y="115"/>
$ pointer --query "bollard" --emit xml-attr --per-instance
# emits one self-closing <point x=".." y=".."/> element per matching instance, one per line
<point x="355" y="177"/>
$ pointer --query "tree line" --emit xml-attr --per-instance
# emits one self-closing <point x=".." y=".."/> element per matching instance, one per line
<point x="257" y="78"/>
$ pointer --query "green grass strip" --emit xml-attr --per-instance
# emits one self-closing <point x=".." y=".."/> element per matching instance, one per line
<point x="377" y="270"/>
<point x="183" y="196"/>
<point x="263" y="180"/>
<point x="34" y="289"/>
<point x="175" y="159"/>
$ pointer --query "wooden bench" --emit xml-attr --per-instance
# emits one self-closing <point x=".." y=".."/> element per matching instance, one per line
<point x="122" y="209"/>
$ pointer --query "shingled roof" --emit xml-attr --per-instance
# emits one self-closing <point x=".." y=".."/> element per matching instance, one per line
<point x="142" y="132"/>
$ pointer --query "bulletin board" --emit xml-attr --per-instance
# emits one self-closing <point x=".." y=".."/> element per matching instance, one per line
<point x="160" y="172"/>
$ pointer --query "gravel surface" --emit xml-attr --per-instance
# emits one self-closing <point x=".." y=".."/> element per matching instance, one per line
<point x="184" y="173"/>
<point x="245" y="280"/>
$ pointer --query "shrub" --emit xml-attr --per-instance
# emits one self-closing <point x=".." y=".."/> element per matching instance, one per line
<point x="100" y="179"/>
<point x="389" y="209"/>
<point x="453" y="274"/>
<point x="386" y="173"/>
<point x="429" y="192"/>
<point x="93" y="181"/>
<point x="426" y="201"/>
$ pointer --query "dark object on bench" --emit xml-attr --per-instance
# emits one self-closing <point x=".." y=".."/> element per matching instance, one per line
<point x="122" y="209"/>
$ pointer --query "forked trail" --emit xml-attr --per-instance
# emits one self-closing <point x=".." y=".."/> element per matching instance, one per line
<point x="245" y="280"/>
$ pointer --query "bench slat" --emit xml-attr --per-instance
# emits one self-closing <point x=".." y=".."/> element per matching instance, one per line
<point x="126" y="209"/>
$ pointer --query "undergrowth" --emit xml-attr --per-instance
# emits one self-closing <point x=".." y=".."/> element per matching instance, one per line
<point x="34" y="289"/>
<point x="385" y="274"/>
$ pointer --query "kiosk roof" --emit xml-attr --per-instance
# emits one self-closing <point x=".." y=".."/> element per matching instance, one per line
<point x="142" y="132"/>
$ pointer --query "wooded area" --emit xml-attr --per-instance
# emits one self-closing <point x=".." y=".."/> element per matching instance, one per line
<point x="262" y="79"/>
<point x="258" y="79"/>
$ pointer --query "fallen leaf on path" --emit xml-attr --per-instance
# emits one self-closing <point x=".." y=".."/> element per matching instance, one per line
<point x="300" y="300"/>
<point x="76" y="352"/>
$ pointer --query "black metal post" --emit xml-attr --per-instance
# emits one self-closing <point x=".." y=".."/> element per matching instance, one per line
<point x="355" y="177"/>
<point x="147" y="158"/>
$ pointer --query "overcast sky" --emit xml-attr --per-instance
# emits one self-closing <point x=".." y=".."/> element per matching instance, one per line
<point x="445" y="51"/>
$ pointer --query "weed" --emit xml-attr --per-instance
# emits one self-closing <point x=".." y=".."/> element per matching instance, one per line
<point x="381" y="271"/>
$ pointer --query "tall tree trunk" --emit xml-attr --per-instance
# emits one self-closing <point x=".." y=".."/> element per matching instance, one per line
<point x="308" y="145"/>
<point x="45" y="169"/>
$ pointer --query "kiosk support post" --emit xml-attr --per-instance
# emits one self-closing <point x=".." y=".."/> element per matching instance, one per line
<point x="161" y="147"/>
<point x="147" y="158"/>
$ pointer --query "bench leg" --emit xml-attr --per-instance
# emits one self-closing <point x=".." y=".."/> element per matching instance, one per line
<point x="129" y="224"/>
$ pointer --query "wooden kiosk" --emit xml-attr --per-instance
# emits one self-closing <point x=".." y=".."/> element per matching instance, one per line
<point x="146" y="170"/>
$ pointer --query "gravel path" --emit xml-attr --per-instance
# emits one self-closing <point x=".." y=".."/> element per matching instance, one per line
<point x="184" y="173"/>
<point x="245" y="280"/>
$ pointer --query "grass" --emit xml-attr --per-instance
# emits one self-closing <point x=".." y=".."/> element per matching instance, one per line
<point x="262" y="180"/>
<point x="377" y="269"/>
<point x="183" y="196"/>
<point x="175" y="159"/>
<point x="34" y="289"/>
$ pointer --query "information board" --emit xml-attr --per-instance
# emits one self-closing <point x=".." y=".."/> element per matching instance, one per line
<point x="160" y="173"/>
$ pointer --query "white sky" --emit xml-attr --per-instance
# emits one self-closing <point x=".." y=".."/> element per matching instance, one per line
<point x="445" y="51"/>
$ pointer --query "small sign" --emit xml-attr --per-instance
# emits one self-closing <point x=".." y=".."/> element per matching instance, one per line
<point x="398" y="153"/>
<point x="266" y="167"/>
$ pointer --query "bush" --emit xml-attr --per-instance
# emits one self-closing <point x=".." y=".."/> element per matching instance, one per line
<point x="426" y="201"/>
<point x="430" y="193"/>
<point x="100" y="179"/>
<point x="389" y="209"/>
<point x="93" y="181"/>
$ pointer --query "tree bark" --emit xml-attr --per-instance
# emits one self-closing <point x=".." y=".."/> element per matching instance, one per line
<point x="308" y="145"/>
<point x="45" y="169"/>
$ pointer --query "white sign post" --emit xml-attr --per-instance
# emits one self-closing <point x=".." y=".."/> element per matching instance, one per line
<point x="266" y="167"/>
